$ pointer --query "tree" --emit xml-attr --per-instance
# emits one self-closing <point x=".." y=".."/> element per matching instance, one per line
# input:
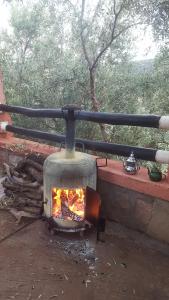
<point x="38" y="65"/>
<point x="44" y="64"/>
<point x="101" y="32"/>
<point x="160" y="20"/>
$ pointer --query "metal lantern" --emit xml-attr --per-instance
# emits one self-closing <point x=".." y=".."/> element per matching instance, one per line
<point x="130" y="165"/>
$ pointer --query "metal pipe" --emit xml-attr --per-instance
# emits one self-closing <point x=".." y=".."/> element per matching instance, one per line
<point x="118" y="149"/>
<point x="36" y="134"/>
<point x="32" y="112"/>
<point x="153" y="121"/>
<point x="70" y="130"/>
<point x="69" y="115"/>
<point x="119" y="119"/>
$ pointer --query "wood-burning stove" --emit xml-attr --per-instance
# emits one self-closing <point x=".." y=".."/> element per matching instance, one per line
<point x="69" y="184"/>
<point x="65" y="188"/>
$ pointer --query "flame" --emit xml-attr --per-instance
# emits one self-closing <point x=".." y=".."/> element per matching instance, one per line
<point x="68" y="204"/>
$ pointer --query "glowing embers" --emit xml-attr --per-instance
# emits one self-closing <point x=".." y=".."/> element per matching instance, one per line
<point x="68" y="204"/>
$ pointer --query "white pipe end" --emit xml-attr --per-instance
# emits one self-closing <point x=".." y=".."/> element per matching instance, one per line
<point x="162" y="156"/>
<point x="3" y="126"/>
<point x="164" y="122"/>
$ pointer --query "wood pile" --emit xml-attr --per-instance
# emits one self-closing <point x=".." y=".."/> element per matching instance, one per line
<point x="24" y="185"/>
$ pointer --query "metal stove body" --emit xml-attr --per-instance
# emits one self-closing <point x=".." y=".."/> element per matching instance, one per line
<point x="69" y="182"/>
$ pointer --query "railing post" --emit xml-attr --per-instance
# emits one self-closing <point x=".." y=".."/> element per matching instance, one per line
<point x="69" y="114"/>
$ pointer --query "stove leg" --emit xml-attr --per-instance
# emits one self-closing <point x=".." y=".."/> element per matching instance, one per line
<point x="81" y="234"/>
<point x="101" y="226"/>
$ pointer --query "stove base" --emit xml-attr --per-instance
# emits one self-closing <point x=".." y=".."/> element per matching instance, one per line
<point x="54" y="227"/>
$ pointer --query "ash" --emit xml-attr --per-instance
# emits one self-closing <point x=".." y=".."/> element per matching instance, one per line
<point x="80" y="249"/>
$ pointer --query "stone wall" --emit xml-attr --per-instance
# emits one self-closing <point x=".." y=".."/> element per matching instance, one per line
<point x="135" y="210"/>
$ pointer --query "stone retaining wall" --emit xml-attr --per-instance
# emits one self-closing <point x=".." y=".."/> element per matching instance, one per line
<point x="135" y="210"/>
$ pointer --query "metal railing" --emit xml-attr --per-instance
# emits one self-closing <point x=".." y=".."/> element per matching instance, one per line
<point x="71" y="114"/>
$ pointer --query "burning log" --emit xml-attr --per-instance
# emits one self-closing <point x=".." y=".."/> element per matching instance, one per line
<point x="68" y="213"/>
<point x="24" y="184"/>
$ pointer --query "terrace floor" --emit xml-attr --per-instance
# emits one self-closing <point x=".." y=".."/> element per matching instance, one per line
<point x="35" y="265"/>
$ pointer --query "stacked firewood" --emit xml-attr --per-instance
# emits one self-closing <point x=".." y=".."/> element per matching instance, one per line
<point x="24" y="185"/>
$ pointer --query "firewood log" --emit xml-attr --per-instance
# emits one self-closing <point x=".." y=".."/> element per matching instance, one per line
<point x="23" y="189"/>
<point x="33" y="210"/>
<point x="8" y="170"/>
<point x="24" y="183"/>
<point x="68" y="213"/>
<point x="20" y="202"/>
<point x="33" y="195"/>
<point x="36" y="175"/>
<point x="24" y="163"/>
<point x="19" y="193"/>
<point x="39" y="158"/>
<point x="21" y="214"/>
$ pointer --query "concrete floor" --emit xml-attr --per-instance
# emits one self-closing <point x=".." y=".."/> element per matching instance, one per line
<point x="35" y="265"/>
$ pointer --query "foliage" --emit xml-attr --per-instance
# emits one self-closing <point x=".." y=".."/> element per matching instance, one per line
<point x="44" y="65"/>
<point x="161" y="20"/>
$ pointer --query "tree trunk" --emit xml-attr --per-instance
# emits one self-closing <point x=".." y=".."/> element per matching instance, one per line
<point x="95" y="103"/>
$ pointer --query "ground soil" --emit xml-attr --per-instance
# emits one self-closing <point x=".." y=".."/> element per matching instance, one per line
<point x="35" y="265"/>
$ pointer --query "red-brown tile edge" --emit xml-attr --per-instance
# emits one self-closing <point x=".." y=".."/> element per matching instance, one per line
<point x="112" y="173"/>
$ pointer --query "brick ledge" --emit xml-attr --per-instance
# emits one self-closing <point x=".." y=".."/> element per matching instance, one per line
<point x="113" y="173"/>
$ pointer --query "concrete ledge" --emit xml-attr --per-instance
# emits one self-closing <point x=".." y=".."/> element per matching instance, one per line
<point x="23" y="147"/>
<point x="114" y="174"/>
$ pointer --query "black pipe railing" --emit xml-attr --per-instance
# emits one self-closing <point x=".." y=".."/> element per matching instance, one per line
<point x="71" y="113"/>
<point x="120" y="119"/>
<point x="32" y="112"/>
<point x="151" y="121"/>
<point x="115" y="149"/>
<point x="57" y="138"/>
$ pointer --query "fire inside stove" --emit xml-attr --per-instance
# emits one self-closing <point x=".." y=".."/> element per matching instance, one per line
<point x="68" y="204"/>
